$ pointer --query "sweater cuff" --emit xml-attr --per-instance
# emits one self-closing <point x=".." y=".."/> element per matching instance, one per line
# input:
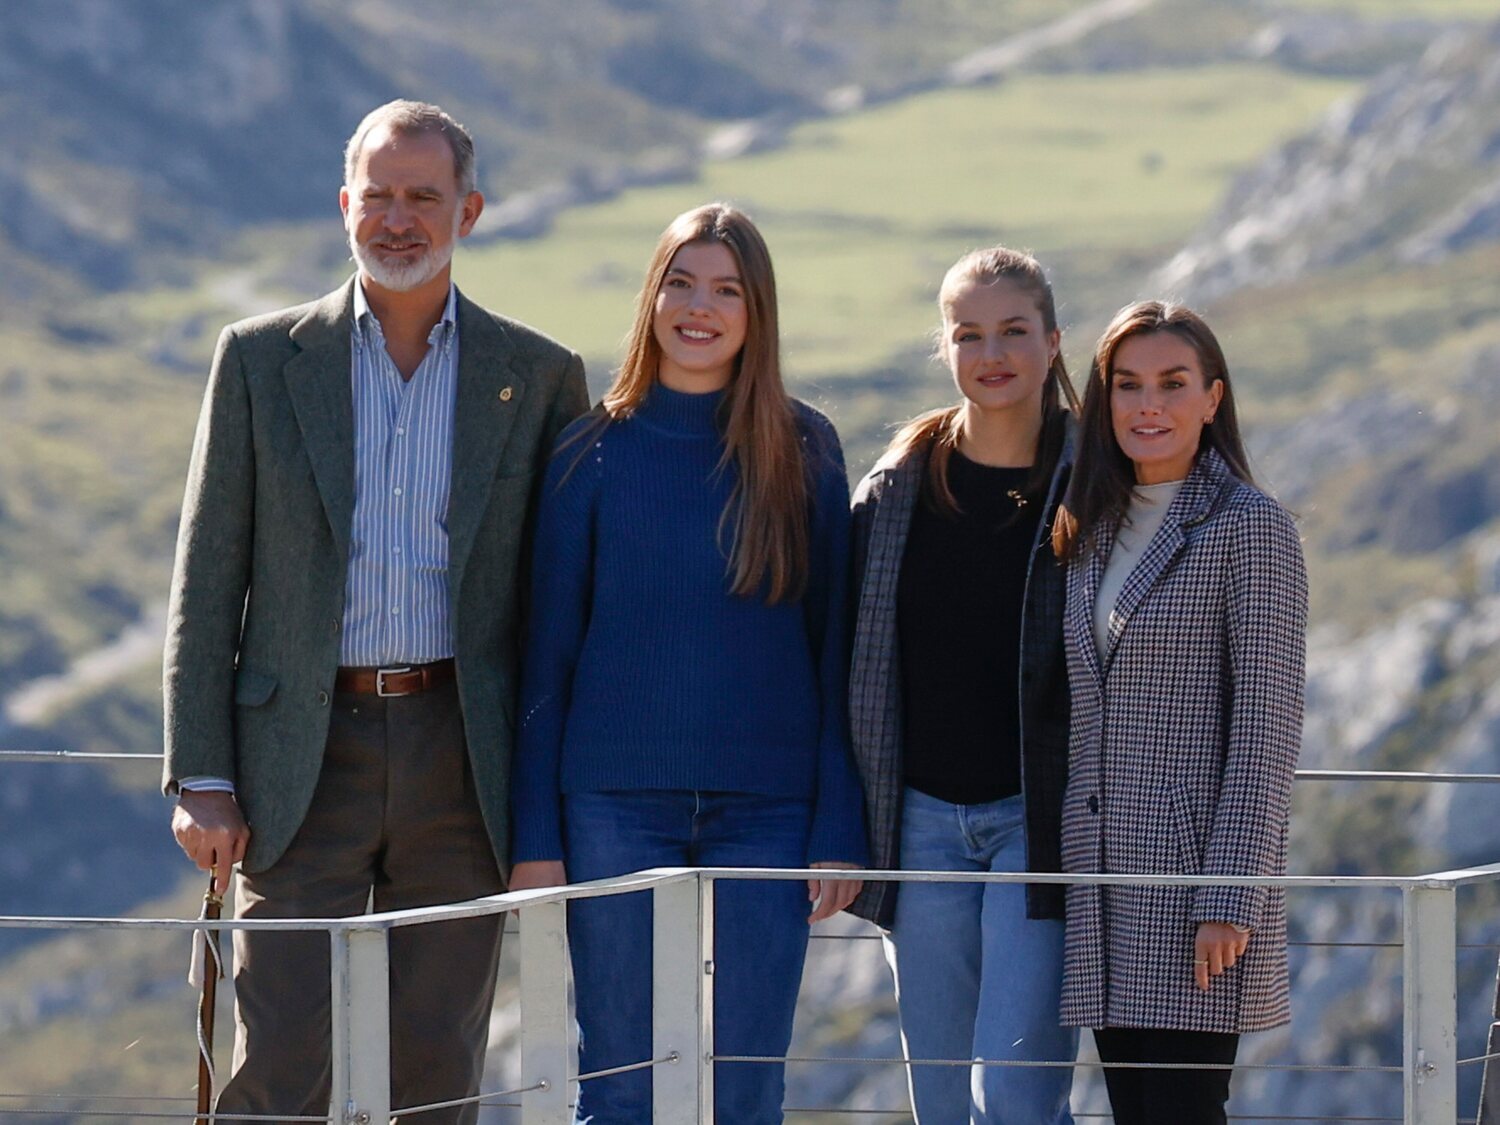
<point x="838" y="839"/>
<point x="540" y="838"/>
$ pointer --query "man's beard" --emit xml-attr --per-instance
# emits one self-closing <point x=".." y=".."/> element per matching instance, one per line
<point x="404" y="276"/>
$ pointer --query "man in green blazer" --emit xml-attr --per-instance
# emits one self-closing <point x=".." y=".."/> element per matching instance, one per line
<point x="340" y="666"/>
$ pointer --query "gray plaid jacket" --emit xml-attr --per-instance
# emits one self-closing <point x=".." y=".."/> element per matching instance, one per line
<point x="1184" y="740"/>
<point x="883" y="505"/>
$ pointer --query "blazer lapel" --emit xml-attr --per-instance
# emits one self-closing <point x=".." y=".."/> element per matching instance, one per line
<point x="1162" y="549"/>
<point x="877" y="595"/>
<point x="1191" y="506"/>
<point x="318" y="383"/>
<point x="490" y="390"/>
<point x="1084" y="577"/>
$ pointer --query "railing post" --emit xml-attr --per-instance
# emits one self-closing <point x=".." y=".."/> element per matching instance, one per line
<point x="544" y="1014"/>
<point x="683" y="1002"/>
<point x="1430" y="1005"/>
<point x="361" y="1006"/>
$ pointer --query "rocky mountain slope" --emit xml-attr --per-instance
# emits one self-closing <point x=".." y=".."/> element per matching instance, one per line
<point x="153" y="132"/>
<point x="1352" y="272"/>
<point x="1410" y="173"/>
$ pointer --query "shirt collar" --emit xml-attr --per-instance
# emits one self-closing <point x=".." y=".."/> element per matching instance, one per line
<point x="365" y="320"/>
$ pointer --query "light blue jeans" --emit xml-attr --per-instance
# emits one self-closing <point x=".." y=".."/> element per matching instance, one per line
<point x="975" y="978"/>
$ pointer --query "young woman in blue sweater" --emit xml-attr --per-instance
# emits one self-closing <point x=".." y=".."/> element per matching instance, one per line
<point x="684" y="687"/>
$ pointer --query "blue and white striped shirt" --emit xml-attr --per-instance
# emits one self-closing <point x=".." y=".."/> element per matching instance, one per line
<point x="396" y="594"/>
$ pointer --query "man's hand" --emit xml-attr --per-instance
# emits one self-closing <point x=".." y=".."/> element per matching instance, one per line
<point x="212" y="831"/>
<point x="835" y="895"/>
<point x="536" y="873"/>
<point x="1218" y="946"/>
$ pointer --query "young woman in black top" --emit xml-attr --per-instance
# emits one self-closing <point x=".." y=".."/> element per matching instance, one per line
<point x="959" y="702"/>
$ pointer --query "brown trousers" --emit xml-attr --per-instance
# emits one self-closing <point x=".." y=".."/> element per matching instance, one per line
<point x="395" y="817"/>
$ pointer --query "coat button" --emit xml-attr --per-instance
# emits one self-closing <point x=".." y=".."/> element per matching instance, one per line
<point x="1093" y="804"/>
<point x="336" y="624"/>
<point x="322" y="699"/>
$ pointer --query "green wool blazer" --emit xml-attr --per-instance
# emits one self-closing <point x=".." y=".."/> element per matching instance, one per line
<point x="257" y="598"/>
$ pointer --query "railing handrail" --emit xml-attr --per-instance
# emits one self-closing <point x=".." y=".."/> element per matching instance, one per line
<point x="683" y="1053"/>
<point x="1417" y="776"/>
<point x="662" y="876"/>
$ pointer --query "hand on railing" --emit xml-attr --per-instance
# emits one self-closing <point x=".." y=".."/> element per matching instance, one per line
<point x="536" y="873"/>
<point x="1217" y="947"/>
<point x="835" y="895"/>
<point x="212" y="831"/>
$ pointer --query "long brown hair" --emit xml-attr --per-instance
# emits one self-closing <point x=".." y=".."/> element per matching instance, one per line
<point x="942" y="428"/>
<point x="1103" y="477"/>
<point x="766" y="518"/>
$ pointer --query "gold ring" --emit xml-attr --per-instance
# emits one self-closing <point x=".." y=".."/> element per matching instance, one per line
<point x="1200" y="961"/>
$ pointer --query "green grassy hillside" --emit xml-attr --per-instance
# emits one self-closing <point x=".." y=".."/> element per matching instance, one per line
<point x="864" y="213"/>
<point x="1103" y="174"/>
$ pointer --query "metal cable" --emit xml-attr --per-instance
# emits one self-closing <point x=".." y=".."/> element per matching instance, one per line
<point x="1298" y="945"/>
<point x="1096" y="1114"/>
<point x="93" y="1097"/>
<point x="132" y="1113"/>
<point x="73" y="756"/>
<point x="627" y="1068"/>
<point x="1326" y="1067"/>
<point x="182" y="1115"/>
<point x="475" y="1098"/>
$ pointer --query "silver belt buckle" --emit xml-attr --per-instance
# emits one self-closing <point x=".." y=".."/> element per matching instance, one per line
<point x="381" y="674"/>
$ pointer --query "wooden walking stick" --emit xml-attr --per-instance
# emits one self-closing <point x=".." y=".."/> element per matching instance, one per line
<point x="206" y="969"/>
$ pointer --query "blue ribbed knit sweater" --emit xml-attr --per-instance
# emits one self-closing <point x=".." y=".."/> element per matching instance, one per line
<point x="643" y="671"/>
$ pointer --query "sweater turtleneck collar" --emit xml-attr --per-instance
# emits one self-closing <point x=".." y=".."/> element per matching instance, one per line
<point x="678" y="412"/>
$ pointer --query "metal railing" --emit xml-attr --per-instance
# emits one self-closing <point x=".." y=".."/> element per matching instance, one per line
<point x="682" y="983"/>
<point x="682" y="1055"/>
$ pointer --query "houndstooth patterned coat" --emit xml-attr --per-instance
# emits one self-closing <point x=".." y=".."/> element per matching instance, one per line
<point x="1184" y="739"/>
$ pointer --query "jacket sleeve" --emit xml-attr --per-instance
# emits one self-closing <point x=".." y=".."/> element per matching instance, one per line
<point x="561" y="594"/>
<point x="210" y="579"/>
<point x="838" y="833"/>
<point x="572" y="401"/>
<point x="1266" y="619"/>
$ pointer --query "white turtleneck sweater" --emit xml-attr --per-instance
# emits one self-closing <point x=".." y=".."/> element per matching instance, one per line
<point x="1148" y="507"/>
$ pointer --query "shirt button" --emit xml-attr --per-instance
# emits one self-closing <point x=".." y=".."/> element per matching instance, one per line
<point x="400" y="430"/>
<point x="395" y="550"/>
<point x="395" y="609"/>
<point x="322" y="699"/>
<point x="1093" y="804"/>
<point x="395" y="492"/>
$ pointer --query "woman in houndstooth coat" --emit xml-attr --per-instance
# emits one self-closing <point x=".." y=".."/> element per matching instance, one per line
<point x="1185" y="634"/>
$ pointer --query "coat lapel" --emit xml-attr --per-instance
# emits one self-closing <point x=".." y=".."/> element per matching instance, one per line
<point x="877" y="595"/>
<point x="1080" y="604"/>
<point x="318" y="383"/>
<point x="1192" y="505"/>
<point x="490" y="390"/>
<point x="888" y="540"/>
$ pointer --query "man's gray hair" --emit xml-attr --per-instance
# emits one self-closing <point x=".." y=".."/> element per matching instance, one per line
<point x="407" y="118"/>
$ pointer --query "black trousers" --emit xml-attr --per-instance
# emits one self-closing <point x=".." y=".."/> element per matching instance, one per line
<point x="1166" y="1097"/>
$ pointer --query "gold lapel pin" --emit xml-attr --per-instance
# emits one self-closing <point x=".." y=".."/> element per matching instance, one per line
<point x="505" y="393"/>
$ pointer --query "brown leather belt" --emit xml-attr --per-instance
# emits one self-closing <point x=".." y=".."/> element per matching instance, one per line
<point x="389" y="683"/>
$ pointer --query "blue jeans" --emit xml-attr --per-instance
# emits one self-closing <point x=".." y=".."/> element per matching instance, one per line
<point x="760" y="940"/>
<point x="975" y="978"/>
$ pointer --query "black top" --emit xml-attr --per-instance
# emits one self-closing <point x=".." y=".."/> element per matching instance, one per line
<point x="958" y="606"/>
